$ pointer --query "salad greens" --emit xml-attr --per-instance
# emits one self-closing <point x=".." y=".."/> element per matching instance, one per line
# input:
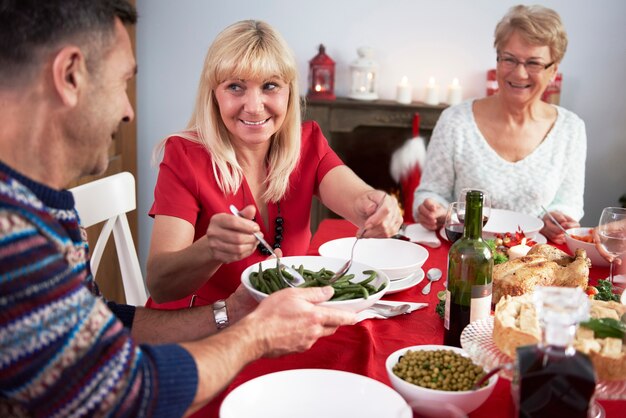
<point x="605" y="327"/>
<point x="605" y="291"/>
<point x="498" y="257"/>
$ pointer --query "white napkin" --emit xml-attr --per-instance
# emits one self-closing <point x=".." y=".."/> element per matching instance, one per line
<point x="417" y="233"/>
<point x="369" y="313"/>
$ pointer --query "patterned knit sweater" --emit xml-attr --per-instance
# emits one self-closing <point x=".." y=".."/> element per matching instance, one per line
<point x="63" y="352"/>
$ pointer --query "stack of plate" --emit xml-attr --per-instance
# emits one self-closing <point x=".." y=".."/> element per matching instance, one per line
<point x="401" y="260"/>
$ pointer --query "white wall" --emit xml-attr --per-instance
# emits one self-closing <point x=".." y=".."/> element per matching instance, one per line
<point x="417" y="38"/>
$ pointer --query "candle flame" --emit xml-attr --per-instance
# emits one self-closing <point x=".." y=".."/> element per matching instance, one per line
<point x="455" y="81"/>
<point x="431" y="81"/>
<point x="318" y="87"/>
<point x="404" y="81"/>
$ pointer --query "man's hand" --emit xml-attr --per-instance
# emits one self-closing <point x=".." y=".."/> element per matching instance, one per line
<point x="291" y="321"/>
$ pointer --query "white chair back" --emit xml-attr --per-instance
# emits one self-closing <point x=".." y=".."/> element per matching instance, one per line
<point x="109" y="199"/>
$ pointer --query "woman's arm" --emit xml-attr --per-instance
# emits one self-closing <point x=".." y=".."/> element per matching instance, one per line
<point x="177" y="266"/>
<point x="373" y="211"/>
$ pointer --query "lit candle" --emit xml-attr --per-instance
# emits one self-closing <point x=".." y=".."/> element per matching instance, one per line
<point x="404" y="90"/>
<point x="432" y="92"/>
<point x="518" y="251"/>
<point x="455" y="93"/>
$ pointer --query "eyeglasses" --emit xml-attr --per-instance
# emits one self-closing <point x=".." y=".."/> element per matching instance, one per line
<point x="510" y="63"/>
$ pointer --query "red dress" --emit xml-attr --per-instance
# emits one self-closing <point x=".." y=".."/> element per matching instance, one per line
<point x="186" y="188"/>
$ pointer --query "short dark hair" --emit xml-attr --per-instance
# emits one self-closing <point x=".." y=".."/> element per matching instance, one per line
<point x="30" y="28"/>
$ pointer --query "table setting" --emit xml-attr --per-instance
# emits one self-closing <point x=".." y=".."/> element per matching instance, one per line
<point x="404" y="316"/>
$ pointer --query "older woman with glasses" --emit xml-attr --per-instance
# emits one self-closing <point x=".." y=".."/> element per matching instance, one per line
<point x="525" y="152"/>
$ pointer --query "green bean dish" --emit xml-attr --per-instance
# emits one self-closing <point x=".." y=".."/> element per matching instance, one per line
<point x="268" y="281"/>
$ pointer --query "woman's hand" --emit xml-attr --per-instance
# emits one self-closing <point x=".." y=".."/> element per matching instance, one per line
<point x="431" y="214"/>
<point x="230" y="238"/>
<point x="552" y="231"/>
<point x="380" y="212"/>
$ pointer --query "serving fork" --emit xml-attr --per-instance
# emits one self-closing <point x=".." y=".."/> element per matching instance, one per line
<point x="297" y="277"/>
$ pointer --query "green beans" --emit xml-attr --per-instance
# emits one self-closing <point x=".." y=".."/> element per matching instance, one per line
<point x="438" y="369"/>
<point x="268" y="281"/>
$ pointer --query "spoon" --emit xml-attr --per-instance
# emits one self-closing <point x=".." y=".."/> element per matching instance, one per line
<point x="297" y="277"/>
<point x="432" y="275"/>
<point x="506" y="366"/>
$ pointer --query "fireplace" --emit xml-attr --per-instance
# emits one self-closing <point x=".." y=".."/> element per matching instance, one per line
<point x="365" y="134"/>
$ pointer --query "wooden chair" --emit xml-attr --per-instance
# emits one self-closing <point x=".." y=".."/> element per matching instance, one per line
<point x="108" y="200"/>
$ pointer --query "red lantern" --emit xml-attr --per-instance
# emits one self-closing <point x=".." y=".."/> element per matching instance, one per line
<point x="321" y="76"/>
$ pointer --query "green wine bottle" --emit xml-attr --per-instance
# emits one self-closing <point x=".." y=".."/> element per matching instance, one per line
<point x="470" y="267"/>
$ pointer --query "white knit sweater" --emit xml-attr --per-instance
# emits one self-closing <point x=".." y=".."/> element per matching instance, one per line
<point x="553" y="175"/>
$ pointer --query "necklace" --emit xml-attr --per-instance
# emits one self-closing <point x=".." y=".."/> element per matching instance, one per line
<point x="278" y="233"/>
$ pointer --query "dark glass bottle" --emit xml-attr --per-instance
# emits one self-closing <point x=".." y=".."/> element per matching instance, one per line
<point x="552" y="378"/>
<point x="470" y="267"/>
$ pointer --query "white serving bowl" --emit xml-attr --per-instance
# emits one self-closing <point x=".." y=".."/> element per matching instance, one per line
<point x="397" y="258"/>
<point x="431" y="402"/>
<point x="315" y="263"/>
<point x="314" y="393"/>
<point x="502" y="221"/>
<point x="592" y="252"/>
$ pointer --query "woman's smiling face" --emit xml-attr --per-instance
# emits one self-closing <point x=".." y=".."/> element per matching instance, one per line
<point x="517" y="85"/>
<point x="253" y="110"/>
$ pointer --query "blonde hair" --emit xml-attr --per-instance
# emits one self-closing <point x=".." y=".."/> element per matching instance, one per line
<point x="247" y="49"/>
<point x="538" y="25"/>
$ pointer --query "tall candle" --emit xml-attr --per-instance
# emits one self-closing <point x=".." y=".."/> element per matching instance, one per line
<point x="432" y="92"/>
<point x="455" y="93"/>
<point x="404" y="91"/>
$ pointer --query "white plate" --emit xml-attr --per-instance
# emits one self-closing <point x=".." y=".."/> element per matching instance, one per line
<point x="406" y="283"/>
<point x="396" y="258"/>
<point x="314" y="393"/>
<point x="502" y="221"/>
<point x="539" y="238"/>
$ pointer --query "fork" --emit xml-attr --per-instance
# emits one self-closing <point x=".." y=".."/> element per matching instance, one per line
<point x="554" y="221"/>
<point x="297" y="277"/>
<point x="344" y="269"/>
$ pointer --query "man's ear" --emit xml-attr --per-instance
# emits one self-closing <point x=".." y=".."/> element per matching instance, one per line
<point x="69" y="73"/>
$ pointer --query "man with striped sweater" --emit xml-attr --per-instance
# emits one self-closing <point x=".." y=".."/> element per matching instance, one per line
<point x="64" y="351"/>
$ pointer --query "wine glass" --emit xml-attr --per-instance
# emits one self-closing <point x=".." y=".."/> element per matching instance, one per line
<point x="453" y="225"/>
<point x="612" y="233"/>
<point x="486" y="201"/>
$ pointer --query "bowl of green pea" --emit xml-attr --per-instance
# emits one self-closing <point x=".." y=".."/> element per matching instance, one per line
<point x="359" y="289"/>
<point x="437" y="380"/>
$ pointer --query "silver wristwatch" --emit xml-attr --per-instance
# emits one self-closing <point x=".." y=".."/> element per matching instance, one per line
<point x="220" y="314"/>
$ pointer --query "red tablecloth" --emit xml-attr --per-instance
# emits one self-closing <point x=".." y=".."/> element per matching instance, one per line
<point x="363" y="348"/>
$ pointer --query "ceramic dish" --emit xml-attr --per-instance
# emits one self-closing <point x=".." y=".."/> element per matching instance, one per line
<point x="502" y="221"/>
<point x="539" y="238"/>
<point x="314" y="393"/>
<point x="406" y="283"/>
<point x="397" y="258"/>
<point x="316" y="263"/>
<point x="590" y="248"/>
<point x="429" y="402"/>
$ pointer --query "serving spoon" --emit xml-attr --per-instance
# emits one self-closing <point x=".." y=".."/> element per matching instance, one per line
<point x="297" y="277"/>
